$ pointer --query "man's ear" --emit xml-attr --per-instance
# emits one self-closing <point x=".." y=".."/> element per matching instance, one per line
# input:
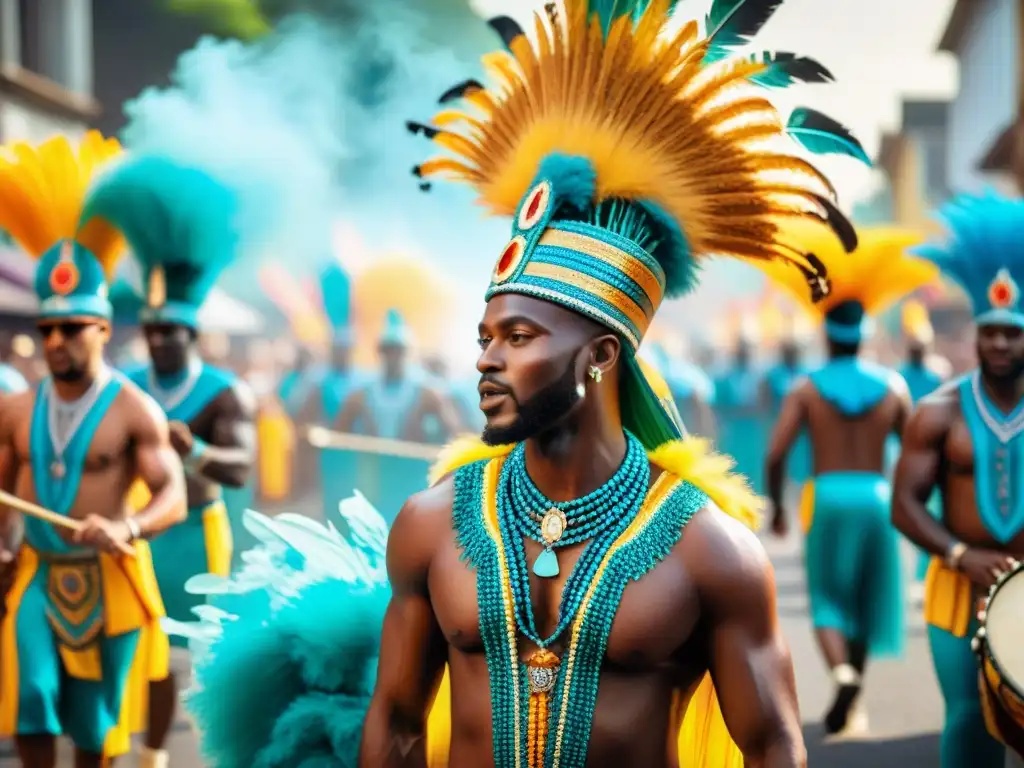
<point x="606" y="352"/>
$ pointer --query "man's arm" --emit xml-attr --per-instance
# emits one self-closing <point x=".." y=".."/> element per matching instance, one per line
<point x="917" y="473"/>
<point x="412" y="647"/>
<point x="791" y="420"/>
<point x="227" y="459"/>
<point x="441" y="407"/>
<point x="750" y="662"/>
<point x="352" y="410"/>
<point x="159" y="467"/>
<point x="906" y="404"/>
<point x="10" y="519"/>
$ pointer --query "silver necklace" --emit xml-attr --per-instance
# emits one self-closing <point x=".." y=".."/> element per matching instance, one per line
<point x="170" y="399"/>
<point x="75" y="412"/>
<point x="1004" y="431"/>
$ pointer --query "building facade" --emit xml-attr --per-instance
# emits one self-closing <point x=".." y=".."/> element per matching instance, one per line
<point x="985" y="37"/>
<point x="46" y="68"/>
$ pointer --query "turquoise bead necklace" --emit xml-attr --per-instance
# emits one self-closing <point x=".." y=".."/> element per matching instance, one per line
<point x="598" y="518"/>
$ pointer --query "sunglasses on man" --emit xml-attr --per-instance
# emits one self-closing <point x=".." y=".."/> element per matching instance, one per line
<point x="68" y="330"/>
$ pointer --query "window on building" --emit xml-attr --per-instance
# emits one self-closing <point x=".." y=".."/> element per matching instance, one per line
<point x="54" y="41"/>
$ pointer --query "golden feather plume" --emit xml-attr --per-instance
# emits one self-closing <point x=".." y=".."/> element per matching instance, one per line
<point x="877" y="274"/>
<point x="42" y="192"/>
<point x="657" y="121"/>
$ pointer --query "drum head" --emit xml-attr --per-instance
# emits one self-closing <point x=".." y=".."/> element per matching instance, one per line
<point x="1004" y="628"/>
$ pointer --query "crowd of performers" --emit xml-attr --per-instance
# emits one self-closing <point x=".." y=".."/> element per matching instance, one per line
<point x="579" y="584"/>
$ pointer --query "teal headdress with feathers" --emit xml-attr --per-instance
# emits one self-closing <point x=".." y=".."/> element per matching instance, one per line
<point x="336" y="291"/>
<point x="984" y="253"/>
<point x="396" y="332"/>
<point x="625" y="156"/>
<point x="180" y="223"/>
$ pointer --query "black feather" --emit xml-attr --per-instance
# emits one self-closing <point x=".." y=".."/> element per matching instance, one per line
<point x="817" y="277"/>
<point x="413" y="127"/>
<point x="417" y="171"/>
<point x="461" y="89"/>
<point x="552" y="11"/>
<point x="506" y="28"/>
<point x="425" y="186"/>
<point x="786" y="68"/>
<point x="731" y="24"/>
<point x="841" y="225"/>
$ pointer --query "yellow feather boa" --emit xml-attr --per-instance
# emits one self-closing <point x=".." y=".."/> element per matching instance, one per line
<point x="704" y="740"/>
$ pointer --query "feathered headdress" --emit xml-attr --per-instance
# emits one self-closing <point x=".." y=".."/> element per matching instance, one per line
<point x="336" y="292"/>
<point x="625" y="157"/>
<point x="616" y="149"/>
<point x="42" y="194"/>
<point x="983" y="253"/>
<point x="179" y="221"/>
<point x="917" y="326"/>
<point x="864" y="283"/>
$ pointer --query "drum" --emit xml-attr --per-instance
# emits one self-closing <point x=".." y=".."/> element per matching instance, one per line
<point x="999" y="645"/>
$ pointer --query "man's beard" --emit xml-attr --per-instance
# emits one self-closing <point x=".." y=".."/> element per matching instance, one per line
<point x="71" y="375"/>
<point x="540" y="412"/>
<point x="1002" y="377"/>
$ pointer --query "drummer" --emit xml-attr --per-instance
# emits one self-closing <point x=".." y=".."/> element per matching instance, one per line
<point x="965" y="439"/>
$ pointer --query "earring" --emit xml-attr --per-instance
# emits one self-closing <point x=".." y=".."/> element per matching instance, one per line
<point x="595" y="373"/>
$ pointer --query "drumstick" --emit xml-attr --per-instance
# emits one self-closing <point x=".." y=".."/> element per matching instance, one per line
<point x="41" y="513"/>
<point x="319" y="437"/>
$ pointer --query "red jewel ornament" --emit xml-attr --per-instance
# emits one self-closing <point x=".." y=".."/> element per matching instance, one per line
<point x="1003" y="292"/>
<point x="64" y="277"/>
<point x="510" y="258"/>
<point x="536" y="206"/>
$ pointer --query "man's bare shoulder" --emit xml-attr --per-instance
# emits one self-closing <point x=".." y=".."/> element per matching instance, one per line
<point x="236" y="401"/>
<point x="722" y="555"/>
<point x="15" y="409"/>
<point x="427" y="513"/>
<point x="140" y="409"/>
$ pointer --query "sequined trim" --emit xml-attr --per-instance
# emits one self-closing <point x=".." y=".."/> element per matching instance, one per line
<point x="616" y="258"/>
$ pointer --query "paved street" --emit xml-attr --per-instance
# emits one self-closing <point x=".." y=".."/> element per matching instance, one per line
<point x="903" y="702"/>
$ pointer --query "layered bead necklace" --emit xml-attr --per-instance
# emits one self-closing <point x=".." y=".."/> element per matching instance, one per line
<point x="598" y="518"/>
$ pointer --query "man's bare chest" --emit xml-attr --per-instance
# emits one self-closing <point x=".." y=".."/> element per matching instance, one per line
<point x="107" y="445"/>
<point x="655" y="619"/>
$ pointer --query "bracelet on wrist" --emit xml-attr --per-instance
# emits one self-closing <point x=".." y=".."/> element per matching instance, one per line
<point x="134" y="529"/>
<point x="955" y="554"/>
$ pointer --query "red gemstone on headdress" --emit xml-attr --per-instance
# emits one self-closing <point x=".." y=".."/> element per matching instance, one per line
<point x="534" y="205"/>
<point x="1001" y="295"/>
<point x="508" y="256"/>
<point x="64" y="278"/>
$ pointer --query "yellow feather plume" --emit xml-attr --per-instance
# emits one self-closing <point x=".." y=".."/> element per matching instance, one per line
<point x="656" y="122"/>
<point x="877" y="274"/>
<point x="42" y="191"/>
<point x="916" y="323"/>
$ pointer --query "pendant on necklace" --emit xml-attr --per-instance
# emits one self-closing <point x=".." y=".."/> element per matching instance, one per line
<point x="552" y="526"/>
<point x="57" y="469"/>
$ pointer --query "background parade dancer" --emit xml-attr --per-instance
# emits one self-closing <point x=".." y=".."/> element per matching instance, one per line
<point x="966" y="440"/>
<point x="81" y="636"/>
<point x="850" y="408"/>
<point x="180" y="223"/>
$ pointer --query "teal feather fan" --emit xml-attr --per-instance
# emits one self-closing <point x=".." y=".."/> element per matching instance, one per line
<point x="175" y="217"/>
<point x="822" y="135"/>
<point x="731" y="24"/>
<point x="785" y="68"/>
<point x="336" y="290"/>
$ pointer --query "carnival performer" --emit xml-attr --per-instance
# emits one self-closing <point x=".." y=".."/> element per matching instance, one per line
<point x="81" y="634"/>
<point x="616" y="156"/>
<point x="742" y="408"/>
<point x="398" y="404"/>
<point x="965" y="440"/>
<point x="179" y="222"/>
<point x="924" y="372"/>
<point x="849" y="408"/>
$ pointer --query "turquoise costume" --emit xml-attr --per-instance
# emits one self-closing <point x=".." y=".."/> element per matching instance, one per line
<point x="75" y="617"/>
<point x="607" y="228"/>
<point x="743" y="419"/>
<point x="860" y="591"/>
<point x="11" y="380"/>
<point x="982" y="254"/>
<point x="178" y="221"/>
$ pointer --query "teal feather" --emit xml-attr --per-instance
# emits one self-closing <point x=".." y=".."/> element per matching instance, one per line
<point x="336" y="289"/>
<point x="174" y="216"/>
<point x="784" y="69"/>
<point x="609" y="11"/>
<point x="822" y="135"/>
<point x="731" y="24"/>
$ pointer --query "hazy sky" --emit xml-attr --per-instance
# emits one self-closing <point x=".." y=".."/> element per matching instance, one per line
<point x="878" y="50"/>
